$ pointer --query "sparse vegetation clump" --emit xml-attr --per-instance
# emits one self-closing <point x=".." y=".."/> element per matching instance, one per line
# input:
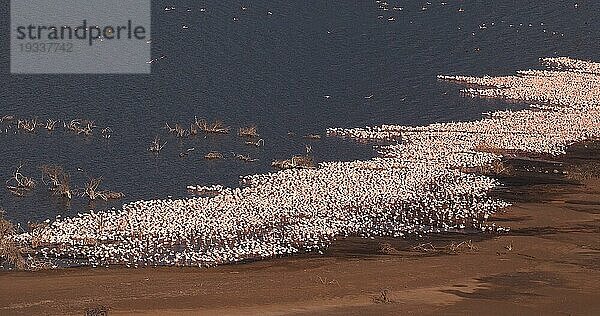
<point x="382" y="298"/>
<point x="213" y="155"/>
<point x="106" y="132"/>
<point x="250" y="131"/>
<point x="50" y="124"/>
<point x="28" y="126"/>
<point x="193" y="129"/>
<point x="80" y="126"/>
<point x="245" y="158"/>
<point x="452" y="249"/>
<point x="9" y="249"/>
<point x="93" y="192"/>
<point x="19" y="184"/>
<point x="156" y="146"/>
<point x="387" y="249"/>
<point x="59" y="180"/>
<point x="296" y="162"/>
<point x="313" y="136"/>
<point x="216" y="127"/>
<point x="178" y="130"/>
<point x="258" y="143"/>
<point x="7" y="118"/>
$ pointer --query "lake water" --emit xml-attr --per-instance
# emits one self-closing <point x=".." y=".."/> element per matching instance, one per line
<point x="307" y="66"/>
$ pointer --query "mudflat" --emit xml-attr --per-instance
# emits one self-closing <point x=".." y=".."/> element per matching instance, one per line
<point x="547" y="264"/>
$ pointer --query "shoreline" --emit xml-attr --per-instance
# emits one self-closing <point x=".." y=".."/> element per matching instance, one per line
<point x="416" y="186"/>
<point x="548" y="263"/>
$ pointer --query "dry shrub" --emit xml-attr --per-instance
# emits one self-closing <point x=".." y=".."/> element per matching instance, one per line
<point x="452" y="248"/>
<point x="91" y="188"/>
<point x="382" y="298"/>
<point x="106" y="132"/>
<point x="455" y="248"/>
<point x="80" y="126"/>
<point x="282" y="163"/>
<point x="193" y="130"/>
<point x="313" y="136"/>
<point x="9" y="250"/>
<point x="178" y="131"/>
<point x="156" y="145"/>
<point x="326" y="281"/>
<point x="296" y="162"/>
<point x="216" y="127"/>
<point x="20" y="184"/>
<point x="250" y="131"/>
<point x="245" y="158"/>
<point x="93" y="193"/>
<point x="386" y="248"/>
<point x="50" y="124"/>
<point x="303" y="162"/>
<point x="258" y="143"/>
<point x="427" y="247"/>
<point x="213" y="155"/>
<point x="59" y="180"/>
<point x="6" y="228"/>
<point x="7" y="118"/>
<point x="112" y="195"/>
<point x="27" y="125"/>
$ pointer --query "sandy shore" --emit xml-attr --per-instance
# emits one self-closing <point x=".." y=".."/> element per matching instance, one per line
<point x="548" y="264"/>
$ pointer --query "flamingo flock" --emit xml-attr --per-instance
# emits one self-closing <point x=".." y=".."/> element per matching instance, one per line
<point x="415" y="186"/>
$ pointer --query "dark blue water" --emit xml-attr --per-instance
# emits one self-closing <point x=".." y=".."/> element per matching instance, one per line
<point x="274" y="70"/>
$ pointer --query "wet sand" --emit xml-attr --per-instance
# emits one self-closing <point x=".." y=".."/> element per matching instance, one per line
<point x="549" y="263"/>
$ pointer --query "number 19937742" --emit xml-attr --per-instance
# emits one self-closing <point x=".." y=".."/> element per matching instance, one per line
<point x="45" y="47"/>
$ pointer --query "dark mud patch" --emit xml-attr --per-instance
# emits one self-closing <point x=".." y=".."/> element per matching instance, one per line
<point x="590" y="228"/>
<point x="542" y="180"/>
<point x="511" y="219"/>
<point x="511" y="285"/>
